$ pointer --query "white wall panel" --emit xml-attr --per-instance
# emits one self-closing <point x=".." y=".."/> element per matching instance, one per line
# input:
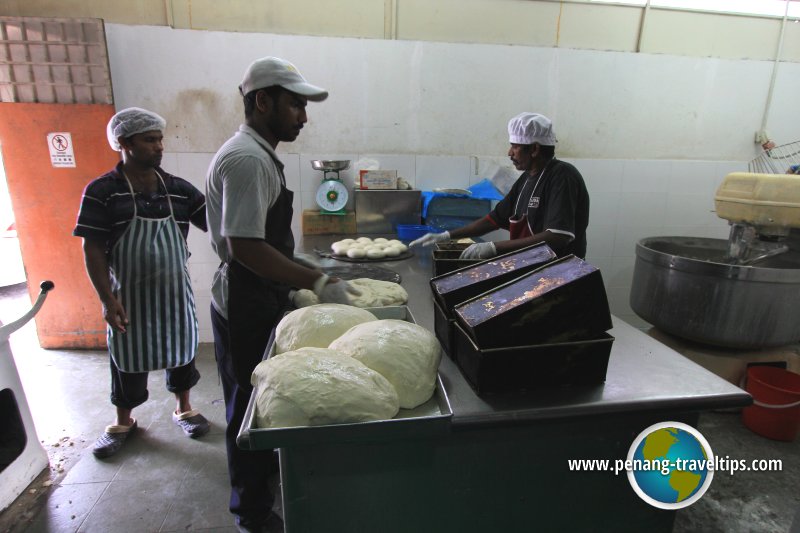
<point x="712" y="35"/>
<point x="653" y="135"/>
<point x="312" y="17"/>
<point x="442" y="98"/>
<point x="519" y="22"/>
<point x="479" y="21"/>
<point x="599" y="27"/>
<point x="784" y="117"/>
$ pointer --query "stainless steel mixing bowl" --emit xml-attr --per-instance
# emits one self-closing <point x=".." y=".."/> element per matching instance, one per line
<point x="683" y="286"/>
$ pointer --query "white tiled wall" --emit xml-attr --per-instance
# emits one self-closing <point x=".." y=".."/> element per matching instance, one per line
<point x="630" y="200"/>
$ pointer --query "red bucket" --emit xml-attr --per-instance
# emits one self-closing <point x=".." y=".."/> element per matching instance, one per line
<point x="775" y="412"/>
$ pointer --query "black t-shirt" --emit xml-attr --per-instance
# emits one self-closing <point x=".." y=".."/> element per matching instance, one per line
<point x="559" y="203"/>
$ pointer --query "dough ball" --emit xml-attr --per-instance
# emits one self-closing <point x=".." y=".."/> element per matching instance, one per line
<point x="356" y="253"/>
<point x="375" y="253"/>
<point x="391" y="251"/>
<point x="364" y="240"/>
<point x="340" y="248"/>
<point x="374" y="293"/>
<point x="316" y="386"/>
<point x="406" y="354"/>
<point x="347" y="241"/>
<point x="380" y="240"/>
<point x="402" y="247"/>
<point x="378" y="293"/>
<point x="317" y="325"/>
<point x="304" y="298"/>
<point x="395" y="241"/>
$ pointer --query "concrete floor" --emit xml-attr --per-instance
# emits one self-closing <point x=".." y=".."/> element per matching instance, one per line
<point x="163" y="481"/>
<point x="160" y="481"/>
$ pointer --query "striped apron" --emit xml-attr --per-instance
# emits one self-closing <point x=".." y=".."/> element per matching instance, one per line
<point x="150" y="278"/>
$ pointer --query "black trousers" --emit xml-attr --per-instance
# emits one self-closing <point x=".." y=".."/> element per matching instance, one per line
<point x="249" y="471"/>
<point x="129" y="389"/>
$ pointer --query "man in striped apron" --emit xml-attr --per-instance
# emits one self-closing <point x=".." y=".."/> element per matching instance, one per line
<point x="134" y="222"/>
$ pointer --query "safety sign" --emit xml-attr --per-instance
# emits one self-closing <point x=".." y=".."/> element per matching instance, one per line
<point x="61" y="152"/>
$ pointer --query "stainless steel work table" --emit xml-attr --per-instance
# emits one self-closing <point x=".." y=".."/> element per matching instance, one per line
<point x="503" y="464"/>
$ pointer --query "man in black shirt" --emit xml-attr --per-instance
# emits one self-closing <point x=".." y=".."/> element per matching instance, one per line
<point x="548" y="203"/>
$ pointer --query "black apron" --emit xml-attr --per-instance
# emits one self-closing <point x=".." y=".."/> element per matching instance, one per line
<point x="256" y="304"/>
<point x="520" y="225"/>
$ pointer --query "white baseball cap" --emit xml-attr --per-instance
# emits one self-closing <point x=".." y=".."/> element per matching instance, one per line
<point x="269" y="71"/>
<point x="529" y="128"/>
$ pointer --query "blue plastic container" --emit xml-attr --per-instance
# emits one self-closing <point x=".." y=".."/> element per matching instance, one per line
<point x="409" y="232"/>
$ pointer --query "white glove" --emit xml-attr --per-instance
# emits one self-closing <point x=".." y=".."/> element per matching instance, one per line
<point x="334" y="292"/>
<point x="307" y="261"/>
<point x="479" y="250"/>
<point x="431" y="238"/>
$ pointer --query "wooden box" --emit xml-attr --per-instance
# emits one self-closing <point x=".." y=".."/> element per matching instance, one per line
<point x="315" y="223"/>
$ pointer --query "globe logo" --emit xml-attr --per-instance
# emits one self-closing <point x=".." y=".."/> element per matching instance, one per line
<point x="671" y="465"/>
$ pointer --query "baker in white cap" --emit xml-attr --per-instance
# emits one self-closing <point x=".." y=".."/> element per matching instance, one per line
<point x="548" y="203"/>
<point x="134" y="221"/>
<point x="249" y="209"/>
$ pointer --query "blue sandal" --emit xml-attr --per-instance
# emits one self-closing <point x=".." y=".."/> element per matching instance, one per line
<point x="112" y="440"/>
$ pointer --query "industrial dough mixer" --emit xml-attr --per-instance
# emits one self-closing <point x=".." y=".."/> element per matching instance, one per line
<point x="741" y="293"/>
<point x="762" y="205"/>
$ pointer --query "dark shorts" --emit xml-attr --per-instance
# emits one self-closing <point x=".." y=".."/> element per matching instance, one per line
<point x="129" y="389"/>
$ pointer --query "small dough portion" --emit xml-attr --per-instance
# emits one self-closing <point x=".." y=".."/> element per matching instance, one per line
<point x="375" y="253"/>
<point x="317" y="386"/>
<point x="356" y="253"/>
<point x="340" y="247"/>
<point x="360" y="248"/>
<point x="405" y="353"/>
<point x="317" y="325"/>
<point x="304" y="298"/>
<point x="374" y="293"/>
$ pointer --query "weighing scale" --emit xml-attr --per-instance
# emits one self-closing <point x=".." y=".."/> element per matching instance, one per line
<point x="332" y="194"/>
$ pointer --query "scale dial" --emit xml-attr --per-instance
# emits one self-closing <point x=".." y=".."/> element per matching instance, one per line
<point x="332" y="195"/>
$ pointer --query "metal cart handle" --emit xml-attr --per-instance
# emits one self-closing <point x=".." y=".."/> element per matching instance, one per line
<point x="7" y="329"/>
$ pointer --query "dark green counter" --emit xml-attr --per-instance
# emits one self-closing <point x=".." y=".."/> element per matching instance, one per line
<point x="502" y="466"/>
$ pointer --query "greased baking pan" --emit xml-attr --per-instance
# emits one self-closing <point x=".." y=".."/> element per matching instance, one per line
<point x="561" y="301"/>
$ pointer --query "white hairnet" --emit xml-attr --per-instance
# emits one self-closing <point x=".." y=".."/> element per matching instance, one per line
<point x="131" y="121"/>
<point x="529" y="128"/>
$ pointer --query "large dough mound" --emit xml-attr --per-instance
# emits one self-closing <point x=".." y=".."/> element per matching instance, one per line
<point x="374" y="293"/>
<point x="406" y="354"/>
<point x="316" y="386"/>
<point x="317" y="325"/>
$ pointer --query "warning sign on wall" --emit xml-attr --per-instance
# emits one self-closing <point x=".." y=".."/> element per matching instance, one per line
<point x="61" y="153"/>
